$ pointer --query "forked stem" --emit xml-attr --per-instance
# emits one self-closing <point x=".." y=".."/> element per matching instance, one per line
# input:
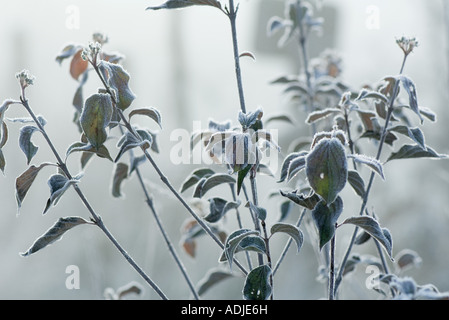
<point x="95" y="217"/>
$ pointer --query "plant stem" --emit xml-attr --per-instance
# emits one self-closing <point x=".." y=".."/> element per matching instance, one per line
<point x="289" y="242"/>
<point x="332" y="269"/>
<point x="239" y="221"/>
<point x="264" y="227"/>
<point x="98" y="221"/>
<point x="232" y="14"/>
<point x="305" y="59"/>
<point x="163" y="178"/>
<point x="370" y="183"/>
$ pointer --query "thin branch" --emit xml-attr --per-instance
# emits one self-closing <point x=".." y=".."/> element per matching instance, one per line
<point x="232" y="14"/>
<point x="98" y="221"/>
<point x="161" y="175"/>
<point x="368" y="189"/>
<point x="289" y="242"/>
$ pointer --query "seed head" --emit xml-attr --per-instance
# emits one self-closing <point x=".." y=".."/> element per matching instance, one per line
<point x="25" y="78"/>
<point x="407" y="44"/>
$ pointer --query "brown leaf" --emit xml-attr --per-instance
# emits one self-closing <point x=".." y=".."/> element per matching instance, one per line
<point x="189" y="246"/>
<point x="78" y="65"/>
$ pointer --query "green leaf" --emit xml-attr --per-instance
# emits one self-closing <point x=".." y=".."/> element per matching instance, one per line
<point x="151" y="112"/>
<point x="415" y="151"/>
<point x="370" y="225"/>
<point x="257" y="284"/>
<point x="326" y="168"/>
<point x="58" y="185"/>
<point x="211" y="182"/>
<point x="409" y="86"/>
<point x="285" y="209"/>
<point x="118" y="80"/>
<point x="212" y="277"/>
<point x="286" y="164"/>
<point x="413" y="133"/>
<point x="54" y="233"/>
<point x="129" y="141"/>
<point x="95" y="117"/>
<point x="356" y="182"/>
<point x="241" y="176"/>
<point x="102" y="152"/>
<point x="308" y="202"/>
<point x="291" y="230"/>
<point x="366" y="94"/>
<point x="195" y="176"/>
<point x="274" y="24"/>
<point x="233" y="241"/>
<point x="176" y="4"/>
<point x="136" y="162"/>
<point x="250" y="243"/>
<point x="296" y="165"/>
<point x="120" y="174"/>
<point x="78" y="100"/>
<point x="260" y="212"/>
<point x="218" y="207"/>
<point x="429" y="114"/>
<point x="67" y="52"/>
<point x="24" y="182"/>
<point x="325" y="217"/>
<point x="321" y="114"/>
<point x="282" y="117"/>
<point x="372" y="163"/>
<point x="28" y="148"/>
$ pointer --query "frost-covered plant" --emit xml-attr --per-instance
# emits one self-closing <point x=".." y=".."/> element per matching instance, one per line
<point x="321" y="165"/>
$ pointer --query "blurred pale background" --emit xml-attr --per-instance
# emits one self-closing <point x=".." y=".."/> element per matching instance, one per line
<point x="181" y="63"/>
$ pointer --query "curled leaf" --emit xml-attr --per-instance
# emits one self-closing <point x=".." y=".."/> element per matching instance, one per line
<point x="211" y="182"/>
<point x="218" y="208"/>
<point x="291" y="230"/>
<point x="308" y="202"/>
<point x="120" y="174"/>
<point x="177" y="4"/>
<point x="118" y="80"/>
<point x="212" y="277"/>
<point x="129" y="141"/>
<point x="415" y="151"/>
<point x="195" y="176"/>
<point x="356" y="182"/>
<point x="58" y="185"/>
<point x="67" y="52"/>
<point x="54" y="233"/>
<point x="325" y="217"/>
<point x="151" y="112"/>
<point x="372" y="163"/>
<point x="95" y="117"/>
<point x="371" y="226"/>
<point x="409" y="86"/>
<point x="28" y="148"/>
<point x="233" y="241"/>
<point x="24" y="182"/>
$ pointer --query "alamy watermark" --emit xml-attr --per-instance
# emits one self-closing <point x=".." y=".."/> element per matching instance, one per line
<point x="72" y="21"/>
<point x="72" y="281"/>
<point x="372" y="282"/>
